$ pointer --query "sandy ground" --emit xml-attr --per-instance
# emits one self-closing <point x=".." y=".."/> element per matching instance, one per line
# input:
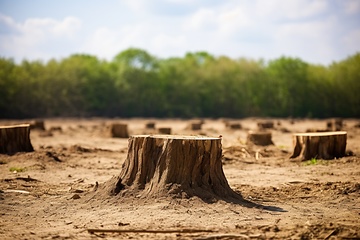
<point x="300" y="199"/>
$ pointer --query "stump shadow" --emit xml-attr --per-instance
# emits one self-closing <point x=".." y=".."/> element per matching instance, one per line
<point x="237" y="198"/>
<point x="249" y="204"/>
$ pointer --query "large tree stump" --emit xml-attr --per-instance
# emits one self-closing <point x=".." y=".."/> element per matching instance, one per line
<point x="182" y="166"/>
<point x="320" y="145"/>
<point x="15" y="138"/>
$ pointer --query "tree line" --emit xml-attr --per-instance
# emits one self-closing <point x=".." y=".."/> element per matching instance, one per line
<point x="137" y="84"/>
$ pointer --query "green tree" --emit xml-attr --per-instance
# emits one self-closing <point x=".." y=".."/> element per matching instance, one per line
<point x="8" y="88"/>
<point x="289" y="84"/>
<point x="345" y="78"/>
<point x="136" y="82"/>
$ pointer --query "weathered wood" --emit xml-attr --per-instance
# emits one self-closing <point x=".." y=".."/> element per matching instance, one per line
<point x="320" y="145"/>
<point x="119" y="130"/>
<point x="184" y="166"/>
<point x="15" y="138"/>
<point x="259" y="138"/>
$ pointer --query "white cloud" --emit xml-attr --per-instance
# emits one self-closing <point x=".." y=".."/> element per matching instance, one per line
<point x="26" y="39"/>
<point x="184" y="2"/>
<point x="67" y="27"/>
<point x="226" y="20"/>
<point x="202" y="18"/>
<point x="231" y="20"/>
<point x="7" y="21"/>
<point x="351" y="6"/>
<point x="164" y="41"/>
<point x="137" y="6"/>
<point x="312" y="41"/>
<point x="351" y="41"/>
<point x="106" y="42"/>
<point x="294" y="9"/>
<point x="314" y="30"/>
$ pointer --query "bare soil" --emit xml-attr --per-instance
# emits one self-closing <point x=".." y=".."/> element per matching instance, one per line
<point x="51" y="193"/>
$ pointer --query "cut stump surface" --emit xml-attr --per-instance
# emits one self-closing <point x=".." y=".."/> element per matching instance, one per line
<point x="320" y="145"/>
<point x="15" y="138"/>
<point x="162" y="165"/>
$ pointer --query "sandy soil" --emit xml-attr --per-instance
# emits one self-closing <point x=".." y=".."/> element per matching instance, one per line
<point x="300" y="200"/>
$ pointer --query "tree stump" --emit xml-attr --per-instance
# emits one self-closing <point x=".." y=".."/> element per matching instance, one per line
<point x="234" y="125"/>
<point x="196" y="126"/>
<point x="320" y="145"/>
<point x="334" y="125"/>
<point x="265" y="125"/>
<point x="150" y="125"/>
<point x="164" y="130"/>
<point x="119" y="130"/>
<point x="15" y="138"/>
<point x="37" y="124"/>
<point x="259" y="138"/>
<point x="180" y="166"/>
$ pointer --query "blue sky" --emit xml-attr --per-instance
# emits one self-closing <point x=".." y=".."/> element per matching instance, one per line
<point x="317" y="31"/>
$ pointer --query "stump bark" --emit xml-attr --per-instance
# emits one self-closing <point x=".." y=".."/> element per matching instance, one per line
<point x="15" y="138"/>
<point x="320" y="145"/>
<point x="119" y="130"/>
<point x="260" y="138"/>
<point x="183" y="166"/>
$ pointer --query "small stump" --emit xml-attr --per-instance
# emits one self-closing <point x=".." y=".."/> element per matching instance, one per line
<point x="164" y="130"/>
<point x="260" y="138"/>
<point x="196" y="126"/>
<point x="150" y="125"/>
<point x="234" y="125"/>
<point x="37" y="124"/>
<point x="320" y="145"/>
<point x="119" y="130"/>
<point x="266" y="125"/>
<point x="15" y="138"/>
<point x="184" y="166"/>
<point x="334" y="125"/>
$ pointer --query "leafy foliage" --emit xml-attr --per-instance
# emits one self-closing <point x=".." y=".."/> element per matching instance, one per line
<point x="136" y="83"/>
